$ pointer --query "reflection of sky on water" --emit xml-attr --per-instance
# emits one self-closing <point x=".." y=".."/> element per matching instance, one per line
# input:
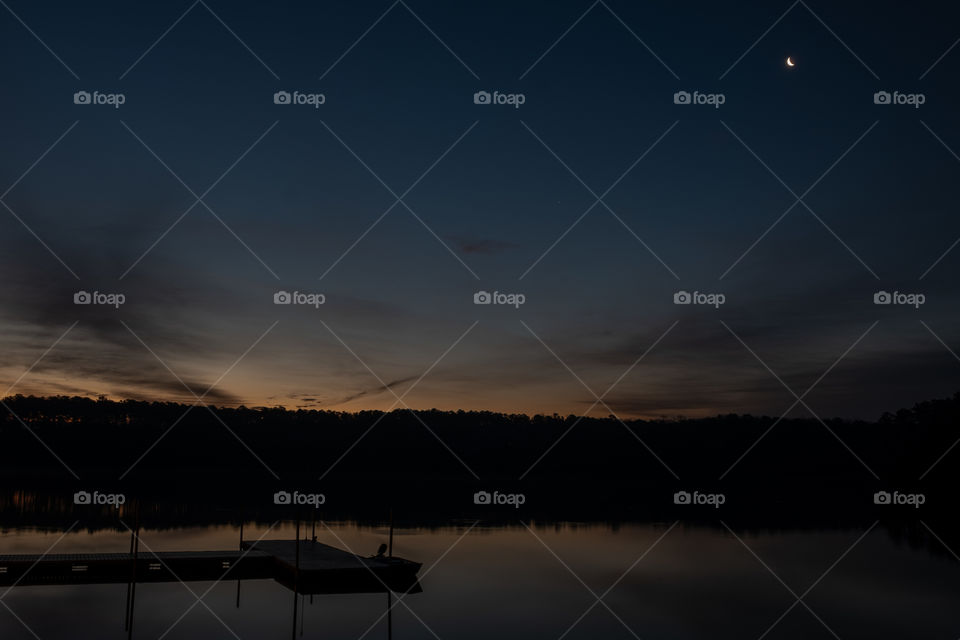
<point x="695" y="583"/>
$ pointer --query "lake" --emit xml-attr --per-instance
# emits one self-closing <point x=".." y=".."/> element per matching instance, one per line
<point x="661" y="580"/>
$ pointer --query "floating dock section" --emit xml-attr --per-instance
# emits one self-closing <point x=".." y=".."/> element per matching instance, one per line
<point x="306" y="567"/>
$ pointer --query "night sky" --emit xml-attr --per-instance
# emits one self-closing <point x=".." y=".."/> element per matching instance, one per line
<point x="399" y="198"/>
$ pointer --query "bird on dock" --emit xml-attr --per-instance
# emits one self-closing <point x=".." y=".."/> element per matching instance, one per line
<point x="382" y="550"/>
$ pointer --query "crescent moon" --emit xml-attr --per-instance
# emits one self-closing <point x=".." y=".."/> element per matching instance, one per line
<point x="790" y="62"/>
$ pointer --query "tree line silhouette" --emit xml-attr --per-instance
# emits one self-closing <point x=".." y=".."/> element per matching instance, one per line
<point x="145" y="440"/>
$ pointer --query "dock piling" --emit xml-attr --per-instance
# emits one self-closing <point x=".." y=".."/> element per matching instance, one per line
<point x="241" y="555"/>
<point x="390" y="546"/>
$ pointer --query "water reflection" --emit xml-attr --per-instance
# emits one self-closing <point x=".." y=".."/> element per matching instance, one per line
<point x="587" y="581"/>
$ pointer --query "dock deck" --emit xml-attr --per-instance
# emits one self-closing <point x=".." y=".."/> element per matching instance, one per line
<point x="324" y="569"/>
<point x="321" y="568"/>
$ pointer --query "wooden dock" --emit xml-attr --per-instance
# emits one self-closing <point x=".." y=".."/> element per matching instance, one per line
<point x="326" y="569"/>
<point x="307" y="567"/>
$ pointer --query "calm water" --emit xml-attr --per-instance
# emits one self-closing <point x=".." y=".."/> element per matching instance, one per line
<point x="697" y="582"/>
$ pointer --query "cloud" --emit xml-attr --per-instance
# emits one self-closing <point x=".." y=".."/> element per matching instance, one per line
<point x="370" y="391"/>
<point x="99" y="355"/>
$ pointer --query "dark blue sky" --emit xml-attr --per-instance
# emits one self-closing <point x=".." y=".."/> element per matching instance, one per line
<point x="502" y="186"/>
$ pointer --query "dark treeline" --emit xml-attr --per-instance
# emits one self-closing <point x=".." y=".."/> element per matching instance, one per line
<point x="420" y="450"/>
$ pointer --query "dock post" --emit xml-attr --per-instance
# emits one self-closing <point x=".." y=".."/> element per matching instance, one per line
<point x="127" y="622"/>
<point x="389" y="615"/>
<point x="133" y="589"/>
<point x="298" y="542"/>
<point x="241" y="554"/>
<point x="296" y="572"/>
<point x="390" y="546"/>
<point x="293" y="632"/>
<point x="296" y="579"/>
<point x="126" y="607"/>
